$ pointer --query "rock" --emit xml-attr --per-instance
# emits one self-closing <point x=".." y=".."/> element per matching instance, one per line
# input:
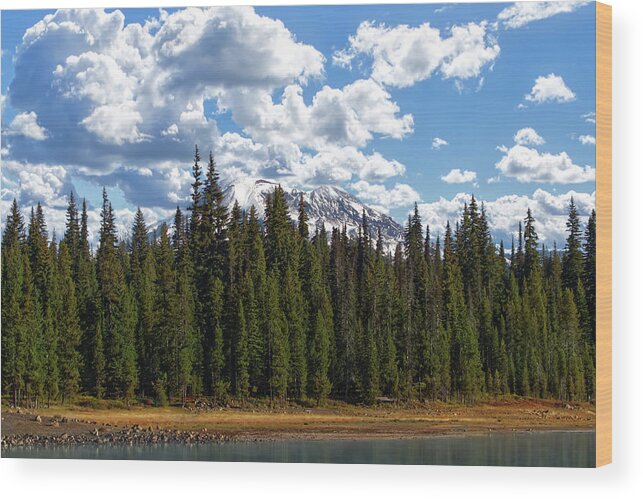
<point x="38" y="419"/>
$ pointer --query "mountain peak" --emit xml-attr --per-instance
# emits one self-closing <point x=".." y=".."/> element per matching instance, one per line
<point x="327" y="206"/>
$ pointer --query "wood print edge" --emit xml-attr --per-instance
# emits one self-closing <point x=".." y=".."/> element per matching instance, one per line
<point x="604" y="234"/>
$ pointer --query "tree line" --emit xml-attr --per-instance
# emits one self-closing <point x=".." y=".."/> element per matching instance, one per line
<point x="224" y="304"/>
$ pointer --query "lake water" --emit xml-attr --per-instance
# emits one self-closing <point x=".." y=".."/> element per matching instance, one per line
<point x="571" y="449"/>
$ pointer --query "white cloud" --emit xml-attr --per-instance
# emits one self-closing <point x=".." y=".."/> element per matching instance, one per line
<point x="172" y="130"/>
<point x="240" y="156"/>
<point x="334" y="166"/>
<point x="522" y="13"/>
<point x="504" y="213"/>
<point x="456" y="176"/>
<point x="26" y="124"/>
<point x="136" y="93"/>
<point x="528" y="136"/>
<point x="336" y="117"/>
<point x="587" y="140"/>
<point x="115" y="124"/>
<point x="33" y="183"/>
<point x="550" y="88"/>
<point x="438" y="143"/>
<point x="526" y="164"/>
<point x="384" y="199"/>
<point x="403" y="55"/>
<point x="589" y="117"/>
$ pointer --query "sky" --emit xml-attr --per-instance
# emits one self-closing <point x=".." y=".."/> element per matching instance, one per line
<point x="396" y="104"/>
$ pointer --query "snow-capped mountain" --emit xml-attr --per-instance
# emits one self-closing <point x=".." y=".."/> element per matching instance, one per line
<point x="326" y="205"/>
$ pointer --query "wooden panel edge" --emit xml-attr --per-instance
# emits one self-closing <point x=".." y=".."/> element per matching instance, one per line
<point x="603" y="234"/>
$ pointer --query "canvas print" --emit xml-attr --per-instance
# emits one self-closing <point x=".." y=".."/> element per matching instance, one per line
<point x="324" y="234"/>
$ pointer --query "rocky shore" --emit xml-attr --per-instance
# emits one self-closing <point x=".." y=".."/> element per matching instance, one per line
<point x="63" y="431"/>
<point x="207" y="423"/>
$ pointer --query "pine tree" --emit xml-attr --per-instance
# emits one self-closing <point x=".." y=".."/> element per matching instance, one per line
<point x="69" y="327"/>
<point x="31" y="339"/>
<point x="466" y="367"/>
<point x="185" y="347"/>
<point x="166" y="328"/>
<point x="89" y="312"/>
<point x="277" y="341"/>
<point x="72" y="235"/>
<point x="241" y="367"/>
<point x="255" y="291"/>
<point x="531" y="244"/>
<point x="118" y="311"/>
<point x="225" y="304"/>
<point x="296" y="321"/>
<point x="51" y="331"/>
<point x="143" y="277"/>
<point x="13" y="315"/>
<point x="589" y="270"/>
<point x="321" y="322"/>
<point x="573" y="257"/>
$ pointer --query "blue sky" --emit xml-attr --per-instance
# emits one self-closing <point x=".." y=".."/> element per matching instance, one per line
<point x="88" y="102"/>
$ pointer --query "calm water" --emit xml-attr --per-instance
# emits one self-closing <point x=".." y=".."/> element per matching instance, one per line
<point x="572" y="449"/>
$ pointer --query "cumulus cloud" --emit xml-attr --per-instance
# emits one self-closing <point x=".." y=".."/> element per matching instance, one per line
<point x="131" y="99"/>
<point x="340" y="165"/>
<point x="587" y="140"/>
<point x="30" y="183"/>
<point x="522" y="13"/>
<point x="504" y="213"/>
<point x="456" y="176"/>
<point x="550" y="88"/>
<point x="26" y="124"/>
<point x="527" y="164"/>
<point x="134" y="93"/>
<point x="528" y="136"/>
<point x="403" y="55"/>
<point x="336" y="117"/>
<point x="384" y="199"/>
<point x="438" y="143"/>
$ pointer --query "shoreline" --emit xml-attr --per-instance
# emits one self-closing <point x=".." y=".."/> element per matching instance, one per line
<point x="173" y="425"/>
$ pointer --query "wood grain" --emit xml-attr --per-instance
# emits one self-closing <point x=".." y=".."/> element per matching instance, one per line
<point x="603" y="234"/>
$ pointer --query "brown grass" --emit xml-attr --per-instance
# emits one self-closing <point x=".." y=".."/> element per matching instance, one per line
<point x="348" y="421"/>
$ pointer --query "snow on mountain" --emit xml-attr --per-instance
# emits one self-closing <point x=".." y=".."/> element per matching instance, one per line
<point x="326" y="205"/>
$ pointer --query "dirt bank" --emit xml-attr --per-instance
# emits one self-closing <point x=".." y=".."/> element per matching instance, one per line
<point x="72" y="425"/>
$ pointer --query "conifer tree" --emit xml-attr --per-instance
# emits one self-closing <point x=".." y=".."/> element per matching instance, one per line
<point x="573" y="257"/>
<point x="118" y="311"/>
<point x="589" y="270"/>
<point x="227" y="303"/>
<point x="69" y="327"/>
<point x="143" y="277"/>
<point x="185" y="347"/>
<point x="277" y="336"/>
<point x="13" y="314"/>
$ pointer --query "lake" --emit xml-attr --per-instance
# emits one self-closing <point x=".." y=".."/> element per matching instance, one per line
<point x="556" y="448"/>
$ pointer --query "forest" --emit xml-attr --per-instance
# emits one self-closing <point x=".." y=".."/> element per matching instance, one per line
<point x="222" y="304"/>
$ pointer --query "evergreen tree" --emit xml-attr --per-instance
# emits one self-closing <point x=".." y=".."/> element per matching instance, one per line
<point x="14" y="334"/>
<point x="573" y="257"/>
<point x="276" y="329"/>
<point x="118" y="311"/>
<point x="69" y="327"/>
<point x="225" y="303"/>
<point x="589" y="270"/>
